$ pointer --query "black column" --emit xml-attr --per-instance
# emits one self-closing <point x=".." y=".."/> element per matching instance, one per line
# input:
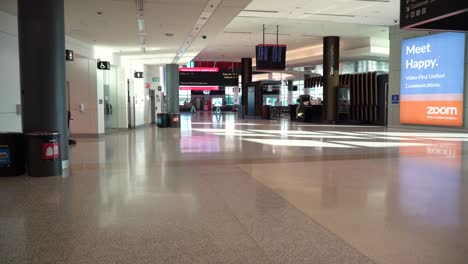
<point x="331" y="74"/>
<point x="246" y="72"/>
<point x="42" y="68"/>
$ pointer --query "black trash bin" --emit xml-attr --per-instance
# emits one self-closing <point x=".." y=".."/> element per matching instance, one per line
<point x="43" y="157"/>
<point x="162" y="120"/>
<point x="12" y="160"/>
<point x="175" y="120"/>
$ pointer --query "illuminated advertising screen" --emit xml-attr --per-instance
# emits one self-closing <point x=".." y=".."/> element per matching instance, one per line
<point x="432" y="80"/>
<point x="207" y="77"/>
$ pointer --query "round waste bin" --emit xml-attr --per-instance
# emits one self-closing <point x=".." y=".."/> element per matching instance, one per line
<point x="162" y="120"/>
<point x="12" y="161"/>
<point x="43" y="154"/>
<point x="175" y="120"/>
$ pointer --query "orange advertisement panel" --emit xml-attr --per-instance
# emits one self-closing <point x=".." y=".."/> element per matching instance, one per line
<point x="438" y="113"/>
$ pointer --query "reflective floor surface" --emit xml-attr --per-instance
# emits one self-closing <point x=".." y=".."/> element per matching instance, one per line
<point x="222" y="190"/>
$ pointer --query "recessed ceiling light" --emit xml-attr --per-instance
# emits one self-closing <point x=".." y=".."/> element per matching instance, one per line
<point x="169" y="34"/>
<point x="99" y="13"/>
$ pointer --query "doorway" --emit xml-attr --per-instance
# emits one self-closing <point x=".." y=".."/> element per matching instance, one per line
<point x="110" y="101"/>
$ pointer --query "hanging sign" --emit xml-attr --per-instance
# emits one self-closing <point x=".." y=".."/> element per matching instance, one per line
<point x="445" y="15"/>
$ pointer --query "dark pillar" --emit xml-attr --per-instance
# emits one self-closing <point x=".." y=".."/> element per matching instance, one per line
<point x="331" y="74"/>
<point x="41" y="38"/>
<point x="246" y="72"/>
<point x="172" y="88"/>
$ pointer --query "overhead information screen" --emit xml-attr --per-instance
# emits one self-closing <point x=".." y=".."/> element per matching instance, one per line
<point x="434" y="14"/>
<point x="207" y="77"/>
<point x="432" y="80"/>
<point x="271" y="57"/>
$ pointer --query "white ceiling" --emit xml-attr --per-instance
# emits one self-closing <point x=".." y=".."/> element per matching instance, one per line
<point x="358" y="22"/>
<point x="117" y="27"/>
<point x="368" y="12"/>
<point x="233" y="29"/>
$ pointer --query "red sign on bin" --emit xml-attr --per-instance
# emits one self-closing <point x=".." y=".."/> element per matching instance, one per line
<point x="51" y="151"/>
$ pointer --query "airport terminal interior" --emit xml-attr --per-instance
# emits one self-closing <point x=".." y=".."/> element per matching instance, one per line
<point x="233" y="131"/>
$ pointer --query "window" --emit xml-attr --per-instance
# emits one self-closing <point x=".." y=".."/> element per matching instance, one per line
<point x="230" y="95"/>
<point x="300" y="90"/>
<point x="184" y="97"/>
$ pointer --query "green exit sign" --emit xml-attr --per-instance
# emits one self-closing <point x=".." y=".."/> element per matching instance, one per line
<point x="156" y="79"/>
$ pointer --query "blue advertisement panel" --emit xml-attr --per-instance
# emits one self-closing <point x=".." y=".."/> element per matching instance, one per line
<point x="432" y="80"/>
<point x="5" y="155"/>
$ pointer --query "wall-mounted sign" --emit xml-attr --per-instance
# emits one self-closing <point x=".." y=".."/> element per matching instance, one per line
<point x="434" y="14"/>
<point x="103" y="65"/>
<point x="432" y="80"/>
<point x="271" y="57"/>
<point x="138" y="75"/>
<point x="156" y="79"/>
<point x="148" y="85"/>
<point x="395" y="99"/>
<point x="159" y="88"/>
<point x="5" y="155"/>
<point x="69" y="55"/>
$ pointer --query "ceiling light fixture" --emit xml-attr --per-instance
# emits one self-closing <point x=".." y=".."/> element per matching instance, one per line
<point x="197" y="28"/>
<point x="332" y="15"/>
<point x="141" y="25"/>
<point x="260" y="11"/>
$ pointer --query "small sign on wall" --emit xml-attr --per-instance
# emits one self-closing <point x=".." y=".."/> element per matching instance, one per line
<point x="69" y="55"/>
<point x="138" y="75"/>
<point x="5" y="155"/>
<point x="103" y="65"/>
<point x="396" y="99"/>
<point x="156" y="79"/>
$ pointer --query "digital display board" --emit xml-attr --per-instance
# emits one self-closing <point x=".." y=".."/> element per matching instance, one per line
<point x="271" y="57"/>
<point x="434" y="14"/>
<point x="207" y="77"/>
<point x="432" y="80"/>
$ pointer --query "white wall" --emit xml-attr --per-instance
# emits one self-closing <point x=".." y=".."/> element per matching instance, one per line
<point x="85" y="77"/>
<point x="93" y="88"/>
<point x="152" y="72"/>
<point x="122" y="96"/>
<point x="81" y="77"/>
<point x="9" y="74"/>
<point x="396" y="38"/>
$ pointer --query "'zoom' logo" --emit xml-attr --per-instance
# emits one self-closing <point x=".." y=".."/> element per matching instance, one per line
<point x="433" y="110"/>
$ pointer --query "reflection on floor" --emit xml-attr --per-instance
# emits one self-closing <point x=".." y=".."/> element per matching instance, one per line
<point x="225" y="191"/>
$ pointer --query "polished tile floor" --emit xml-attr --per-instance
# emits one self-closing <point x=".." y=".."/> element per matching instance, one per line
<point x="221" y="190"/>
